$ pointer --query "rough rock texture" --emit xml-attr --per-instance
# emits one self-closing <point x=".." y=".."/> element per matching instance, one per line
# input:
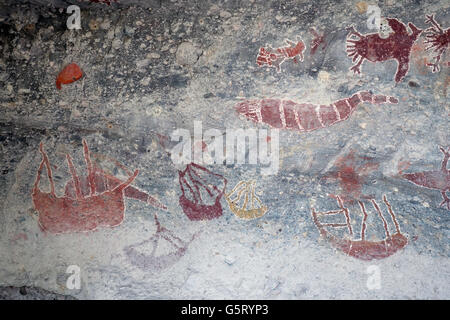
<point x="151" y="67"/>
<point x="30" y="293"/>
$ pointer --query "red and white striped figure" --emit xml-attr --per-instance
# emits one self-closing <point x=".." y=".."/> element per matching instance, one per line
<point x="287" y="114"/>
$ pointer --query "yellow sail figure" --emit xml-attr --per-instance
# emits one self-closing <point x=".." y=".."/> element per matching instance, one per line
<point x="252" y="207"/>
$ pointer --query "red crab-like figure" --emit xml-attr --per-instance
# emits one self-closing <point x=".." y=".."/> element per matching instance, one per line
<point x="376" y="49"/>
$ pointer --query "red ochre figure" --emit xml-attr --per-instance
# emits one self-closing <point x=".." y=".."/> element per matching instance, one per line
<point x="437" y="179"/>
<point x="438" y="39"/>
<point x="72" y="72"/>
<point x="275" y="57"/>
<point x="351" y="174"/>
<point x="151" y="262"/>
<point x="376" y="49"/>
<point x="317" y="41"/>
<point x="362" y="248"/>
<point x="88" y="203"/>
<point x="202" y="202"/>
<point x="304" y="117"/>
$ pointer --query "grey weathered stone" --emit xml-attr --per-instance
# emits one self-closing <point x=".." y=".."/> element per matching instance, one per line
<point x="151" y="67"/>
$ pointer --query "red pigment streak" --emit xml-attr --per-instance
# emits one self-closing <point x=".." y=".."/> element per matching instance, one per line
<point x="19" y="236"/>
<point x="436" y="179"/>
<point x="196" y="179"/>
<point x="106" y="181"/>
<point x="275" y="57"/>
<point x="403" y="165"/>
<point x="89" y="202"/>
<point x="362" y="249"/>
<point x="72" y="72"/>
<point x="351" y="175"/>
<point x="317" y="41"/>
<point x="151" y="262"/>
<point x="287" y="114"/>
<point x="162" y="139"/>
<point x="201" y="144"/>
<point x="376" y="49"/>
<point x="418" y="57"/>
<point x="438" y="39"/>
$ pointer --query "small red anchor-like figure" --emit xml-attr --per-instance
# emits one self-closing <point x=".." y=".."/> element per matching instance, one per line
<point x="376" y="49"/>
<point x="144" y="254"/>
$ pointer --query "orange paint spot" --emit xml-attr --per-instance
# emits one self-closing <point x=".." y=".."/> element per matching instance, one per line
<point x="72" y="72"/>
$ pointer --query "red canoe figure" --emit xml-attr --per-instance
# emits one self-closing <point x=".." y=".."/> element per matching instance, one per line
<point x="376" y="49"/>
<point x="72" y="72"/>
<point x="89" y="202"/>
<point x="205" y="189"/>
<point x="362" y="248"/>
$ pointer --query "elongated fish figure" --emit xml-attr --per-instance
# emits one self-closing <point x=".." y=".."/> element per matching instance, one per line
<point x="72" y="72"/>
<point x="287" y="114"/>
<point x="434" y="179"/>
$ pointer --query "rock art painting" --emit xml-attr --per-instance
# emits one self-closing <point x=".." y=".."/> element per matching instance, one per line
<point x="374" y="48"/>
<point x="275" y="57"/>
<point x="71" y="73"/>
<point x="89" y="202"/>
<point x="317" y="41"/>
<point x="435" y="179"/>
<point x="351" y="173"/>
<point x="361" y="248"/>
<point x="145" y="253"/>
<point x="201" y="192"/>
<point x="243" y="201"/>
<point x="437" y="39"/>
<point x="105" y="181"/>
<point x="304" y="117"/>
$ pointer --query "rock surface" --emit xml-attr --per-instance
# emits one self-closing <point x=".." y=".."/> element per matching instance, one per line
<point x="152" y="67"/>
